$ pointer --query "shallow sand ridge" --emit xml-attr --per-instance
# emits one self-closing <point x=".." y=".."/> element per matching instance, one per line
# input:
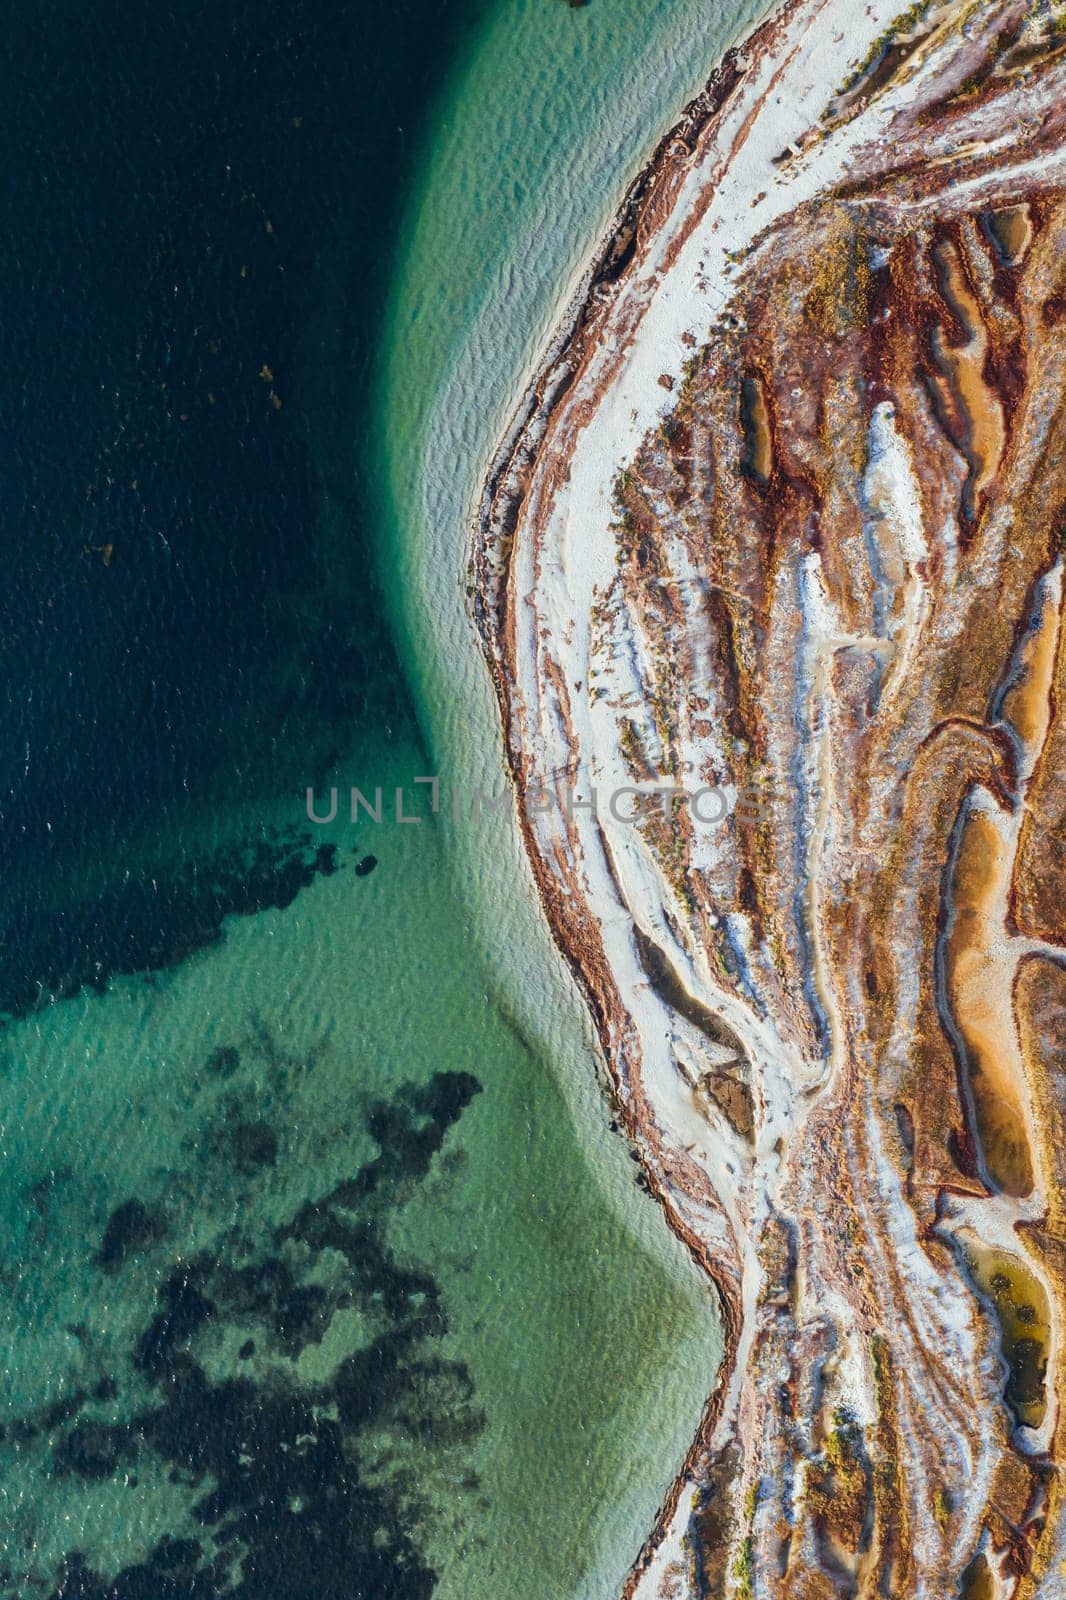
<point x="815" y="558"/>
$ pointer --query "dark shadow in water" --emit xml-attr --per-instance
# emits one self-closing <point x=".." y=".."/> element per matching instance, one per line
<point x="285" y="1505"/>
<point x="155" y="921"/>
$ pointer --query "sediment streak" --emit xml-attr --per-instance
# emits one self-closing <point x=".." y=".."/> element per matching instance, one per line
<point x="784" y="513"/>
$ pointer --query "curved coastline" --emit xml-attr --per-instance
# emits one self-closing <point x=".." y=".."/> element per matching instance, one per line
<point x="501" y="498"/>
<point x="475" y="335"/>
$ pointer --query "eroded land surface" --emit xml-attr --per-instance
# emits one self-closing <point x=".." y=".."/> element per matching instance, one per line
<point x="784" y="512"/>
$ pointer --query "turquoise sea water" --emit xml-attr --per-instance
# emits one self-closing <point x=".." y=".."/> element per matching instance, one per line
<point x="324" y="1273"/>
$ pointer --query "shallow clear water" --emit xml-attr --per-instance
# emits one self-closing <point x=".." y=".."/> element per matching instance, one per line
<point x="226" y="1097"/>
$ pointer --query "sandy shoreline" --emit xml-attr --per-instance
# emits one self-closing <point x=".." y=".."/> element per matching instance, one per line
<point x="645" y="205"/>
<point x="499" y="506"/>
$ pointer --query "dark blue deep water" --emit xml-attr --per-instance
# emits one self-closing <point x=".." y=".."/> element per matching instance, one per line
<point x="200" y="213"/>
